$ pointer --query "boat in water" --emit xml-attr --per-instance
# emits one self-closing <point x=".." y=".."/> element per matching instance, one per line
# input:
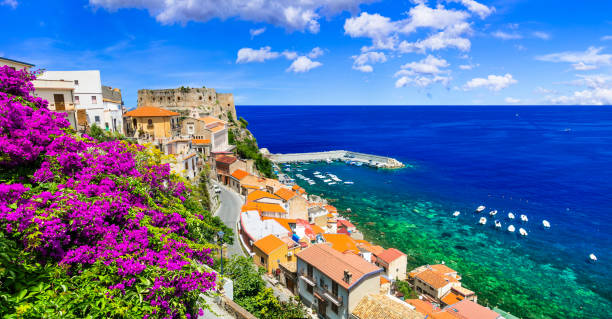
<point x="480" y="209"/>
<point x="456" y="213"/>
<point x="328" y="161"/>
<point x="524" y="218"/>
<point x="511" y="228"/>
<point x="349" y="183"/>
<point x="327" y="180"/>
<point x="510" y="215"/>
<point x="546" y="224"/>
<point x="522" y="231"/>
<point x="497" y="224"/>
<point x="332" y="183"/>
<point x="493" y="212"/>
<point x="482" y="221"/>
<point x="592" y="257"/>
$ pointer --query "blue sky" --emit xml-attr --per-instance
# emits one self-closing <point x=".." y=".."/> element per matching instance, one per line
<point x="327" y="51"/>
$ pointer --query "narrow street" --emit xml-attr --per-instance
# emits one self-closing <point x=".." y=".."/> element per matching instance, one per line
<point x="229" y="212"/>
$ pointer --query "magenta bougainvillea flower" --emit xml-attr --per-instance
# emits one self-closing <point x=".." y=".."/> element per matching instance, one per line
<point x="88" y="204"/>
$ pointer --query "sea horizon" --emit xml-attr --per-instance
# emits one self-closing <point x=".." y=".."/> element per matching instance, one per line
<point x="411" y="208"/>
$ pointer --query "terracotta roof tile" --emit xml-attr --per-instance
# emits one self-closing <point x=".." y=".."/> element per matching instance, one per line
<point x="217" y="128"/>
<point x="285" y="193"/>
<point x="384" y="307"/>
<point x="209" y="120"/>
<point x="345" y="223"/>
<point x="200" y="141"/>
<point x="451" y="298"/>
<point x="422" y="306"/>
<point x="285" y="222"/>
<point x="470" y="310"/>
<point x="390" y="255"/>
<point x="433" y="279"/>
<point x="341" y="242"/>
<point x="269" y="244"/>
<point x="150" y="111"/>
<point x="256" y="195"/>
<point x="226" y="159"/>
<point x="333" y="263"/>
<point x="443" y="269"/>
<point x="239" y="174"/>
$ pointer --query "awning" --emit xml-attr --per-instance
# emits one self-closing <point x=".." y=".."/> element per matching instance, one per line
<point x="307" y="280"/>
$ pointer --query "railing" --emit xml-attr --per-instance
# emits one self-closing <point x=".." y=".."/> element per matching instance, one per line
<point x="337" y="300"/>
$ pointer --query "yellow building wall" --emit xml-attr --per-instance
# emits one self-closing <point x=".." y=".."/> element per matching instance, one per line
<point x="270" y="262"/>
<point x="161" y="126"/>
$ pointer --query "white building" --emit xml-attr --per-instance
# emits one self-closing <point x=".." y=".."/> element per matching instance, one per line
<point x="60" y="95"/>
<point x="88" y="96"/>
<point x="16" y="65"/>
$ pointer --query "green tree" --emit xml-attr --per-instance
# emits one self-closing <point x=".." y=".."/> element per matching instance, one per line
<point x="404" y="288"/>
<point x="243" y="122"/>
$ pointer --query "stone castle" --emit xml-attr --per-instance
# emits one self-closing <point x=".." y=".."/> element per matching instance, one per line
<point x="192" y="102"/>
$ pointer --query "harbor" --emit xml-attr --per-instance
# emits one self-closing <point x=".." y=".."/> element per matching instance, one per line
<point x="345" y="156"/>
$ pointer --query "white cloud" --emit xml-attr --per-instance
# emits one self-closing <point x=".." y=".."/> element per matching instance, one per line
<point x="315" y="53"/>
<point x="303" y="64"/>
<point x="422" y="16"/>
<point x="468" y="66"/>
<point x="606" y="38"/>
<point x="373" y="26"/>
<point x="580" y="66"/>
<point x="492" y="82"/>
<point x="450" y="37"/>
<point x="290" y="55"/>
<point x="363" y="61"/>
<point x="598" y="91"/>
<point x="579" y="59"/>
<point x="511" y="100"/>
<point x="291" y="14"/>
<point x="541" y="35"/>
<point x="11" y="3"/>
<point x="541" y="90"/>
<point x="256" y="32"/>
<point x="423" y="73"/>
<point x="247" y="55"/>
<point x="506" y="36"/>
<point x="478" y="8"/>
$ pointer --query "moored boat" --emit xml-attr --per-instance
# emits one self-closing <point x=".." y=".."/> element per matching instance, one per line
<point x="456" y="213"/>
<point x="524" y="218"/>
<point x="522" y="231"/>
<point x="493" y="212"/>
<point x="511" y="228"/>
<point x="480" y="208"/>
<point x="546" y="224"/>
<point x="483" y="220"/>
<point x="592" y="257"/>
<point x="510" y="215"/>
<point x="498" y="224"/>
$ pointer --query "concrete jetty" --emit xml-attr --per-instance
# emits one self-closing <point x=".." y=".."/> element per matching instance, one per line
<point x="367" y="159"/>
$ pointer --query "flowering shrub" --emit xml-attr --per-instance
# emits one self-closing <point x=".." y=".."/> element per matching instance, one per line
<point x="88" y="228"/>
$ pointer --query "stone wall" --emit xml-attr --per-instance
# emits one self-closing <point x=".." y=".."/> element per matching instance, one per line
<point x="184" y="100"/>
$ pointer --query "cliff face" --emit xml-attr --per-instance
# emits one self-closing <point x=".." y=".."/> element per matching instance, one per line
<point x="188" y="101"/>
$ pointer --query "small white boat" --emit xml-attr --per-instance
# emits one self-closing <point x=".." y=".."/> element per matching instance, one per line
<point x="311" y="182"/>
<point x="524" y="218"/>
<point x="480" y="209"/>
<point x="493" y="212"/>
<point x="546" y="224"/>
<point x="522" y="231"/>
<point x="349" y="182"/>
<point x="327" y="180"/>
<point x="328" y="161"/>
<point x="332" y="183"/>
<point x="497" y="224"/>
<point x="592" y="257"/>
<point x="510" y="215"/>
<point x="317" y="173"/>
<point x="456" y="213"/>
<point x="511" y="228"/>
<point x="482" y="221"/>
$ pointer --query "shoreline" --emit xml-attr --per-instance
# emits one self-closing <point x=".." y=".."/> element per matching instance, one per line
<point x="354" y="158"/>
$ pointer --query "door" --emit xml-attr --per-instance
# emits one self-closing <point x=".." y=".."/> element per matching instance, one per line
<point x="322" y="307"/>
<point x="59" y="102"/>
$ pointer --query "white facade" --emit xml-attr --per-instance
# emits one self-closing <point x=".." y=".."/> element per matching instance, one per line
<point x="88" y="96"/>
<point x="17" y="65"/>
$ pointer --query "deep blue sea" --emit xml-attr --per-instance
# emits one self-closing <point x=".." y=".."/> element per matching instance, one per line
<point x="548" y="162"/>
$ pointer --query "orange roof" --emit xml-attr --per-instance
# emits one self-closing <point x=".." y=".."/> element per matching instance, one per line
<point x="263" y="207"/>
<point x="331" y="209"/>
<point x="451" y="298"/>
<point x="384" y="280"/>
<point x="433" y="279"/>
<point x="269" y="244"/>
<point x="200" y="141"/>
<point x="443" y="269"/>
<point x="470" y="309"/>
<point x="150" y="111"/>
<point x="239" y="174"/>
<point x="257" y="195"/>
<point x="217" y="128"/>
<point x="295" y="187"/>
<point x="341" y="242"/>
<point x="333" y="264"/>
<point x="226" y="159"/>
<point x="446" y="315"/>
<point x="209" y="120"/>
<point x="285" y="222"/>
<point x="390" y="255"/>
<point x="316" y="229"/>
<point x="345" y="223"/>
<point x="285" y="194"/>
<point x="422" y="306"/>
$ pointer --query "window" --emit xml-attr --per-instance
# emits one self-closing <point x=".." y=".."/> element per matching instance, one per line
<point x="76" y="100"/>
<point x="210" y="98"/>
<point x="321" y="282"/>
<point x="76" y="82"/>
<point x="200" y="98"/>
<point x="334" y="308"/>
<point x="263" y="260"/>
<point x="335" y="288"/>
<point x="149" y="122"/>
<point x="309" y="288"/>
<point x="97" y="119"/>
<point x="309" y="271"/>
<point x="178" y="98"/>
<point x="94" y="100"/>
<point x="106" y="125"/>
<point x="186" y="165"/>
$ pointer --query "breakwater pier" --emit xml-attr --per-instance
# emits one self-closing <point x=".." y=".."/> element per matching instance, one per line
<point x="346" y="156"/>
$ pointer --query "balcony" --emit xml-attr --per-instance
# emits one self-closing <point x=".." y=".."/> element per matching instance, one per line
<point x="336" y="300"/>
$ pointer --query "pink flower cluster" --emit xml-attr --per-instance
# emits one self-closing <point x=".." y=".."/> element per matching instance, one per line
<point x="89" y="202"/>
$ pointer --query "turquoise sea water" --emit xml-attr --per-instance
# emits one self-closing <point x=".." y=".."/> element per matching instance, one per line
<point x="549" y="163"/>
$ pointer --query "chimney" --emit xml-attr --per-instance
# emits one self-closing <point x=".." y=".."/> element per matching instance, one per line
<point x="347" y="276"/>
